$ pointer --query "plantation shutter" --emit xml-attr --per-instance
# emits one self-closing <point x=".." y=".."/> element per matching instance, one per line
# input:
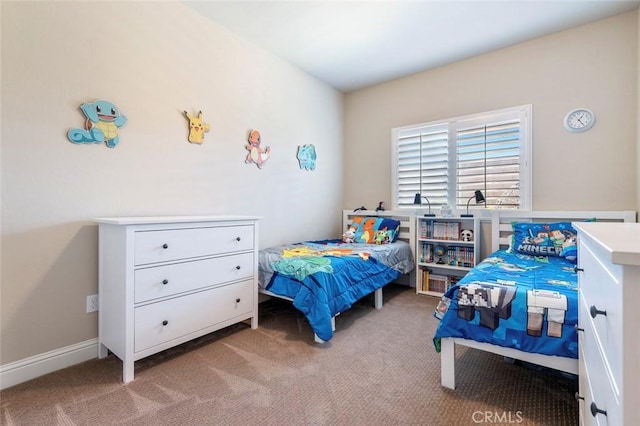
<point x="446" y="161"/>
<point x="488" y="159"/>
<point x="422" y="165"/>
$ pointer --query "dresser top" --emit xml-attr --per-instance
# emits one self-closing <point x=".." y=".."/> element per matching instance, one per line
<point x="620" y="240"/>
<point x="146" y="220"/>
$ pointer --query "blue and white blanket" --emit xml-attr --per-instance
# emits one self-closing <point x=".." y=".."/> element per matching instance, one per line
<point x="326" y="277"/>
<point x="517" y="301"/>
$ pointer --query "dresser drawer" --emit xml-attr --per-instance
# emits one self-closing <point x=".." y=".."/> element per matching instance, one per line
<point x="600" y="338"/>
<point x="168" y="280"/>
<point x="596" y="385"/>
<point x="164" y="321"/>
<point x="599" y="282"/>
<point x="176" y="244"/>
<point x="583" y="389"/>
<point x="601" y="289"/>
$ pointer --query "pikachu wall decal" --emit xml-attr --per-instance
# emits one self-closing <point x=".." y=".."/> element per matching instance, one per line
<point x="196" y="128"/>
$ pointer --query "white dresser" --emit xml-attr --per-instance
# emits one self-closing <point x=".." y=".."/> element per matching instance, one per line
<point x="609" y="323"/>
<point x="166" y="280"/>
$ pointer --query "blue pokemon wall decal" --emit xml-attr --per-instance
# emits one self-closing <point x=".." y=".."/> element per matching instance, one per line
<point x="307" y="157"/>
<point x="103" y="121"/>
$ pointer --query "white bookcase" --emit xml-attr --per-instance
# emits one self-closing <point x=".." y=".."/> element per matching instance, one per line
<point x="443" y="254"/>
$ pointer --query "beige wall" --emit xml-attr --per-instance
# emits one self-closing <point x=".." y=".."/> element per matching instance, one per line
<point x="593" y="66"/>
<point x="153" y="60"/>
<point x="161" y="58"/>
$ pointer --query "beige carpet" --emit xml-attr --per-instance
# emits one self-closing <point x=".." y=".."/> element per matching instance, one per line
<point x="379" y="369"/>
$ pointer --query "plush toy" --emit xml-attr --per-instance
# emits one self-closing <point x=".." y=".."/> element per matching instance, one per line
<point x="381" y="237"/>
<point x="349" y="236"/>
<point x="466" y="235"/>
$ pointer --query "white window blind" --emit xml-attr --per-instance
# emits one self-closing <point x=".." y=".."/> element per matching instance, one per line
<point x="422" y="164"/>
<point x="488" y="159"/>
<point x="448" y="160"/>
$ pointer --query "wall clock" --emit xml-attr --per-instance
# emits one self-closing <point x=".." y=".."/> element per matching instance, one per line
<point x="579" y="120"/>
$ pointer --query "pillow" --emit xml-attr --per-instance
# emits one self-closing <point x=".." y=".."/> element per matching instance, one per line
<point x="378" y="230"/>
<point x="510" y="248"/>
<point x="545" y="239"/>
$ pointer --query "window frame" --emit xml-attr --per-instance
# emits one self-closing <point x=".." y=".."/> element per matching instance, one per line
<point x="525" y="116"/>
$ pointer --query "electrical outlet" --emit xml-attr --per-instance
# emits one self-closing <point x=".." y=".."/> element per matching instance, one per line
<point x="92" y="303"/>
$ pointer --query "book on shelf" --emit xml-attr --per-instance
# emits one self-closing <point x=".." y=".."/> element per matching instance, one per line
<point x="440" y="230"/>
<point x="460" y="256"/>
<point x="438" y="283"/>
<point x="426" y="253"/>
<point x="455" y="255"/>
<point x="425" y="280"/>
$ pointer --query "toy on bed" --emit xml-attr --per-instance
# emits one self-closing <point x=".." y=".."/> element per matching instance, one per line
<point x="349" y="235"/>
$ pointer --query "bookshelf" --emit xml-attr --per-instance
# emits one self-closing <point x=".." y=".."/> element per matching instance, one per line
<point x="444" y="251"/>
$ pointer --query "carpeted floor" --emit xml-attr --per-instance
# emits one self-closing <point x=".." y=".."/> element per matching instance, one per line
<point x="379" y="369"/>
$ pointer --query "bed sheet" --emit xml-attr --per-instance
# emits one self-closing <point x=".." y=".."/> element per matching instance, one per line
<point x="326" y="277"/>
<point x="513" y="300"/>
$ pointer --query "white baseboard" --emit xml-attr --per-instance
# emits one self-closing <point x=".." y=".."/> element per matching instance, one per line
<point x="39" y="365"/>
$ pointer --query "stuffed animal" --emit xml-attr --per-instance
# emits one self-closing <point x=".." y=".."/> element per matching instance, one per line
<point x="466" y="235"/>
<point x="382" y="237"/>
<point x="349" y="235"/>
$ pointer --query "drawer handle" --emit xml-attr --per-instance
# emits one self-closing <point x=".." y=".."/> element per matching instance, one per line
<point x="165" y="322"/>
<point x="165" y="246"/>
<point x="595" y="410"/>
<point x="165" y="281"/>
<point x="237" y="238"/>
<point x="595" y="312"/>
<point x="578" y="397"/>
<point x="576" y="269"/>
<point x="238" y="267"/>
<point x="238" y="300"/>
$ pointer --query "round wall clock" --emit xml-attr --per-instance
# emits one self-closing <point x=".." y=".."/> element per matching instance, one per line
<point x="579" y="120"/>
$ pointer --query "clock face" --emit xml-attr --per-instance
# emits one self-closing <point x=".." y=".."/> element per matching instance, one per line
<point x="579" y="120"/>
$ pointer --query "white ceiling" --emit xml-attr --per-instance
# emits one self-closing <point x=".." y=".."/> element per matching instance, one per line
<point x="354" y="44"/>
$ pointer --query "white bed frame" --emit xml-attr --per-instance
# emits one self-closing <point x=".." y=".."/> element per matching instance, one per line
<point x="407" y="234"/>
<point x="500" y="231"/>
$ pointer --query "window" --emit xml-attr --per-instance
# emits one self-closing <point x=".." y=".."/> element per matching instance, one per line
<point x="448" y="160"/>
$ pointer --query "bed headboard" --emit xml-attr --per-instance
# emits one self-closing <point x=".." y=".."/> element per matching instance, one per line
<point x="407" y="222"/>
<point x="501" y="220"/>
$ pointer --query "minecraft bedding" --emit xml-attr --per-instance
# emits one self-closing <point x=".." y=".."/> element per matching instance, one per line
<point x="517" y="301"/>
<point x="326" y="277"/>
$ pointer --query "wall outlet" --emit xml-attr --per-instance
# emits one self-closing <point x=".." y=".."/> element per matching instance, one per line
<point x="92" y="303"/>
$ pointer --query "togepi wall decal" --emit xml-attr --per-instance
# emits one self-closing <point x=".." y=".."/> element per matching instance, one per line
<point x="196" y="128"/>
<point x="103" y="121"/>
<point x="256" y="153"/>
<point x="307" y="157"/>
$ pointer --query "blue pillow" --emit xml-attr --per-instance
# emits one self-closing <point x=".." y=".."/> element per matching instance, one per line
<point x="545" y="239"/>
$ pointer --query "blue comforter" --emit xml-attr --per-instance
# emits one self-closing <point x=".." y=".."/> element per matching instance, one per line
<point x="326" y="277"/>
<point x="517" y="301"/>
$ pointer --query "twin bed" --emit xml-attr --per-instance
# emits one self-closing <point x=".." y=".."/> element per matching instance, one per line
<point x="324" y="278"/>
<point x="521" y="301"/>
